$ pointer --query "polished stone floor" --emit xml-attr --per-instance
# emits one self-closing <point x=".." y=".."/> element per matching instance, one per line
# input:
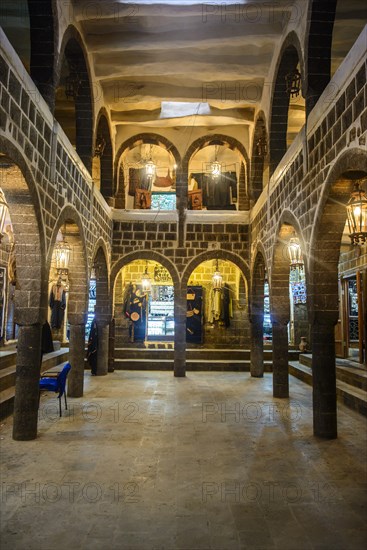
<point x="145" y="461"/>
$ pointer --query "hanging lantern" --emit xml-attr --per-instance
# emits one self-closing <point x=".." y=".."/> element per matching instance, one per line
<point x="217" y="278"/>
<point x="357" y="215"/>
<point x="295" y="254"/>
<point x="3" y="212"/>
<point x="146" y="283"/>
<point x="262" y="147"/>
<point x="150" y="169"/>
<point x="100" y="146"/>
<point x="293" y="82"/>
<point x="62" y="252"/>
<point x="72" y="83"/>
<point x="216" y="169"/>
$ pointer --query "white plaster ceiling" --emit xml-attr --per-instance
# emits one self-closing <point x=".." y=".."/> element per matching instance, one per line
<point x="216" y="54"/>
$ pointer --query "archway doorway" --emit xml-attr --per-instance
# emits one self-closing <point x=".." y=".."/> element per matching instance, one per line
<point x="217" y="304"/>
<point x="144" y="303"/>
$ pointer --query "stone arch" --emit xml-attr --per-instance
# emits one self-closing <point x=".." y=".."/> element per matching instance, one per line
<point x="103" y="298"/>
<point x="289" y="57"/>
<point x="78" y="293"/>
<point x="78" y="260"/>
<point x="103" y="308"/>
<point x="145" y="255"/>
<point x="280" y="300"/>
<point x="328" y="227"/>
<point x="24" y="202"/>
<point x="103" y="130"/>
<point x="74" y="52"/>
<point x="287" y="225"/>
<point x="213" y="255"/>
<point x="321" y="17"/>
<point x="44" y="34"/>
<point x="324" y="257"/>
<point x="257" y="312"/>
<point x="22" y="197"/>
<point x="216" y="139"/>
<point x="258" y="269"/>
<point x="151" y="138"/>
<point x="260" y="148"/>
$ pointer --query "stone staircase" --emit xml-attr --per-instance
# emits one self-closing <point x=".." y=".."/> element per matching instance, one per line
<point x="351" y="380"/>
<point x="7" y="374"/>
<point x="160" y="357"/>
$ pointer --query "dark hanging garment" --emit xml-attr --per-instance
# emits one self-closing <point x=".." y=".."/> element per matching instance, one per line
<point x="47" y="345"/>
<point x="221" y="191"/>
<point x="57" y="305"/>
<point x="93" y="347"/>
<point x="225" y="307"/>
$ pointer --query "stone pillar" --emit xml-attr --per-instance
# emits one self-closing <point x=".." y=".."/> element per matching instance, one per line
<point x="324" y="380"/>
<point x="102" y="351"/>
<point x="27" y="382"/>
<point x="76" y="358"/>
<point x="180" y="331"/>
<point x="111" y="347"/>
<point x="280" y="359"/>
<point x="257" y="346"/>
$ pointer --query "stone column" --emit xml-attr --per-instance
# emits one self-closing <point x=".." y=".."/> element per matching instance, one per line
<point x="76" y="358"/>
<point x="280" y="358"/>
<point x="102" y="351"/>
<point x="27" y="382"/>
<point x="257" y="346"/>
<point x="111" y="347"/>
<point x="180" y="332"/>
<point x="324" y="380"/>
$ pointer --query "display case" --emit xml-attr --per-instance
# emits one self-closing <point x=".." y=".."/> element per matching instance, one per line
<point x="160" y="327"/>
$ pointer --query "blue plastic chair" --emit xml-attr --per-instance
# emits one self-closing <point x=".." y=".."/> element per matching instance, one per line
<point x="56" y="384"/>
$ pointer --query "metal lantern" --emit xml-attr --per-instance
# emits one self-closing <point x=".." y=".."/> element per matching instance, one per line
<point x="293" y="83"/>
<point x="146" y="283"/>
<point x="262" y="147"/>
<point x="3" y="211"/>
<point x="357" y="215"/>
<point x="99" y="146"/>
<point x="62" y="253"/>
<point x="72" y="83"/>
<point x="295" y="254"/>
<point x="216" y="169"/>
<point x="150" y="169"/>
<point x="217" y="278"/>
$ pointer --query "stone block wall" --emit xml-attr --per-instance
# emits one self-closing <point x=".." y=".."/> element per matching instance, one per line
<point x="27" y="127"/>
<point x="298" y="184"/>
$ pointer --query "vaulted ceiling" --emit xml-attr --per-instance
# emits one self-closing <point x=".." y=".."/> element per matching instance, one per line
<point x="216" y="54"/>
<point x="182" y="63"/>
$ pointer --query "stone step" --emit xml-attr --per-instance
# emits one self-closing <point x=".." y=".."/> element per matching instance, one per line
<point x="191" y="365"/>
<point x="142" y="353"/>
<point x="195" y="354"/>
<point x="353" y="376"/>
<point x="347" y="371"/>
<point x="7" y="357"/>
<point x="7" y="378"/>
<point x="353" y="397"/>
